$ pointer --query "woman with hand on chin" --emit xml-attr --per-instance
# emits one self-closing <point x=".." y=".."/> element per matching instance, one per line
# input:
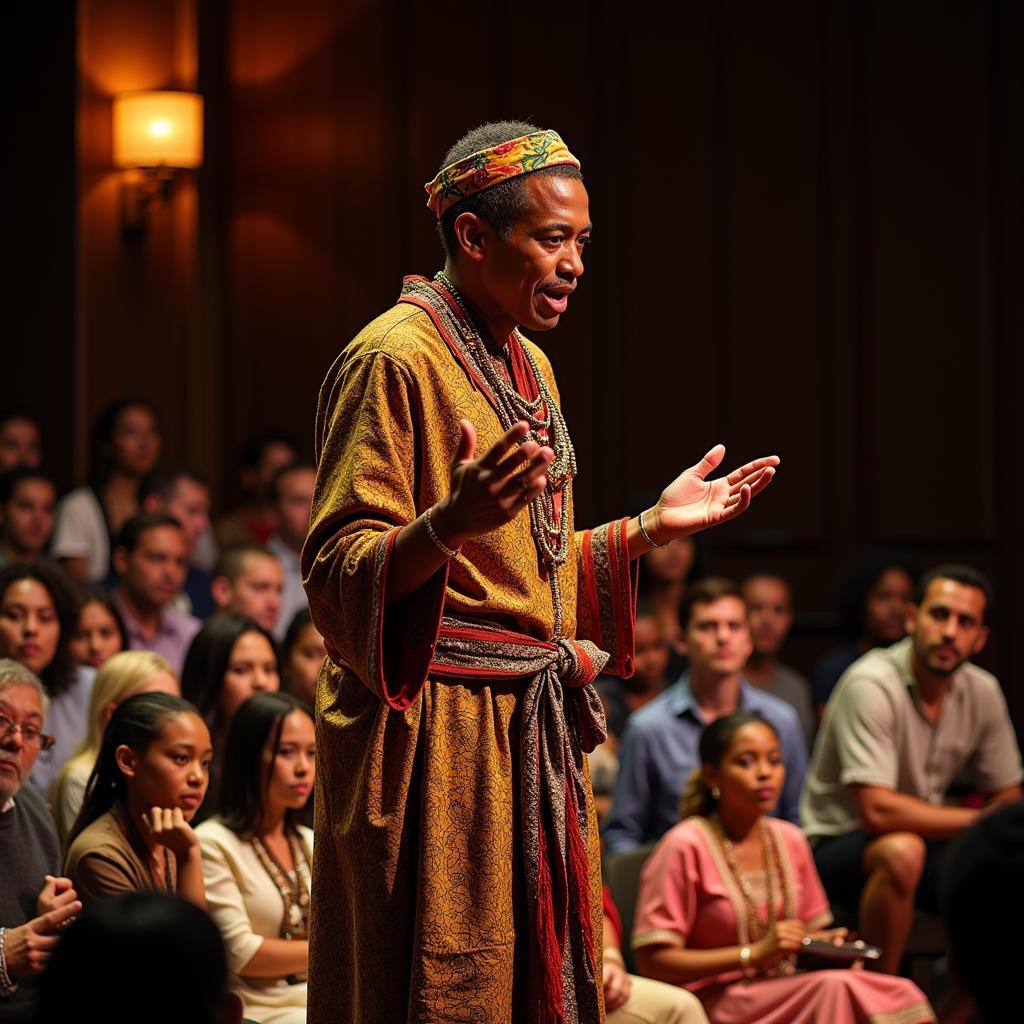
<point x="133" y="831"/>
<point x="257" y="858"/>
<point x="729" y="894"/>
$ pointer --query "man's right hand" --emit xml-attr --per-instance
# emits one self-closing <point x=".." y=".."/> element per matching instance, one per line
<point x="488" y="492"/>
<point x="28" y="947"/>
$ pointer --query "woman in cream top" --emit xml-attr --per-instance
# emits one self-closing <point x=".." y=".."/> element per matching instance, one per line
<point x="257" y="859"/>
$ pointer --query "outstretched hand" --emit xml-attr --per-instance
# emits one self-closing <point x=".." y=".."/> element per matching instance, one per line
<point x="692" y="503"/>
<point x="491" y="490"/>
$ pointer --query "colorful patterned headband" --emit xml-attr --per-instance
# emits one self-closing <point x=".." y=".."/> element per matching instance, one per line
<point x="492" y="166"/>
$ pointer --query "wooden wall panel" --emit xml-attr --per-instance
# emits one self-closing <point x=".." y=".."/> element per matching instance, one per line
<point x="929" y="330"/>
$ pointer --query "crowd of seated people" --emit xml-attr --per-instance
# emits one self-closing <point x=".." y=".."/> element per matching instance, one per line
<point x="157" y="680"/>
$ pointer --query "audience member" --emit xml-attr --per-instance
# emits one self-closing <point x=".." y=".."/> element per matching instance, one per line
<point x="150" y="777"/>
<point x="34" y="902"/>
<point x="770" y="610"/>
<point x="303" y="657"/>
<point x="621" y="697"/>
<point x="257" y="855"/>
<point x="291" y="494"/>
<point x="874" y="594"/>
<point x="231" y="659"/>
<point x="262" y="458"/>
<point x="125" y="447"/>
<point x="161" y="958"/>
<point x="900" y="725"/>
<point x="28" y="498"/>
<point x="122" y="676"/>
<point x="150" y="560"/>
<point x="20" y="443"/>
<point x="629" y="999"/>
<point x="183" y="496"/>
<point x="659" y="747"/>
<point x="38" y="616"/>
<point x="100" y="633"/>
<point x="729" y="894"/>
<point x="982" y="901"/>
<point x="665" y="574"/>
<point x="249" y="580"/>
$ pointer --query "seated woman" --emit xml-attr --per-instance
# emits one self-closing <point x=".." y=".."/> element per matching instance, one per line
<point x="38" y="617"/>
<point x="231" y="658"/>
<point x="257" y="857"/>
<point x="100" y="633"/>
<point x="133" y="832"/>
<point x="122" y="676"/>
<point x="728" y="895"/>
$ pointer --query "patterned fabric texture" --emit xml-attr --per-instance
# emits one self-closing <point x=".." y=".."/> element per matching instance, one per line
<point x="491" y="166"/>
<point x="420" y="891"/>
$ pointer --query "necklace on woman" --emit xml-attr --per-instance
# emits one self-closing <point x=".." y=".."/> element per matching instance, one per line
<point x="549" y="522"/>
<point x="295" y="923"/>
<point x="773" y="871"/>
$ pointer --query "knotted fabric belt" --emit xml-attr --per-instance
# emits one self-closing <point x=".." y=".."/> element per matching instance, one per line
<point x="562" y="717"/>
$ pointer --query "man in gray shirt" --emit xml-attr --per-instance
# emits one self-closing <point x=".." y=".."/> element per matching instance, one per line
<point x="901" y="724"/>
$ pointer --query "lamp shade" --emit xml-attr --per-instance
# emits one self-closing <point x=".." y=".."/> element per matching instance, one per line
<point x="158" y="129"/>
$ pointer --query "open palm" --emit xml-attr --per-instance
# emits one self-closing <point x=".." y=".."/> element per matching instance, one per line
<point x="692" y="503"/>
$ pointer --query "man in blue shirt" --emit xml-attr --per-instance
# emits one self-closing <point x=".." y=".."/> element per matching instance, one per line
<point x="659" y="746"/>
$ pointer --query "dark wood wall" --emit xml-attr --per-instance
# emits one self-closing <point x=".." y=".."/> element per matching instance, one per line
<point x="808" y="240"/>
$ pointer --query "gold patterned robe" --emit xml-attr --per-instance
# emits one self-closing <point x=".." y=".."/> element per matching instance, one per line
<point x="418" y="898"/>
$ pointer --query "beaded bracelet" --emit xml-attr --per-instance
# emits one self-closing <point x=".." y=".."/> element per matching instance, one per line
<point x="7" y="985"/>
<point x="438" y="543"/>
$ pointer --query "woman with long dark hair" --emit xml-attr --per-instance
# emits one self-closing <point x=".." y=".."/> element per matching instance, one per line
<point x="38" y="617"/>
<point x="126" y="446"/>
<point x="133" y="831"/>
<point x="257" y="856"/>
<point x="231" y="658"/>
<point x="729" y="894"/>
<point x="100" y="633"/>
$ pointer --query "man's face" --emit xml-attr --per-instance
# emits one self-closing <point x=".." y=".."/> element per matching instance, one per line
<point x="20" y="705"/>
<point x="276" y="456"/>
<point x="190" y="505"/>
<point x="19" y="444"/>
<point x="947" y="627"/>
<point x="257" y="591"/>
<point x="887" y="605"/>
<point x="155" y="571"/>
<point x="294" y="501"/>
<point x="770" y="613"/>
<point x="717" y="638"/>
<point x="529" y="275"/>
<point x="28" y="517"/>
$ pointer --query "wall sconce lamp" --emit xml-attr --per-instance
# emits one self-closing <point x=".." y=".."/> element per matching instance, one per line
<point x="155" y="134"/>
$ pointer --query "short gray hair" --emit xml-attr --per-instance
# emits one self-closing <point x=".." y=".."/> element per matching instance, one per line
<point x="13" y="673"/>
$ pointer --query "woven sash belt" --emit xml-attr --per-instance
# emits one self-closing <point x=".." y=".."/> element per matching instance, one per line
<point x="562" y="717"/>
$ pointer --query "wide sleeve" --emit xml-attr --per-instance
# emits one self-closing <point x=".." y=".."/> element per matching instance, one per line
<point x="368" y="446"/>
<point x="666" y="905"/>
<point x="224" y="901"/>
<point x="607" y="588"/>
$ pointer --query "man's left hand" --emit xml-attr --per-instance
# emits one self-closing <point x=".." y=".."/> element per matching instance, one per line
<point x="692" y="503"/>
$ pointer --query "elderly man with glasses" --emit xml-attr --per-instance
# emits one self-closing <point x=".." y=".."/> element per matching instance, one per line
<point x="35" y="903"/>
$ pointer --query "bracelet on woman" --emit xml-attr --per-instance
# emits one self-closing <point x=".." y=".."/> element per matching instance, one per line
<point x="438" y="543"/>
<point x="7" y="985"/>
<point x="643" y="532"/>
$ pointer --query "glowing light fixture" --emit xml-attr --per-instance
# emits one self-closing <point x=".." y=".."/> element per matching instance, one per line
<point x="155" y="134"/>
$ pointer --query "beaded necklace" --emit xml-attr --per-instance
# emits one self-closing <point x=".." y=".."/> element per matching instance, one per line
<point x="295" y="923"/>
<point x="773" y="871"/>
<point x="549" y="524"/>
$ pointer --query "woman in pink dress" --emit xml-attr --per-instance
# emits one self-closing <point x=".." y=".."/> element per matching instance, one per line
<point x="729" y="893"/>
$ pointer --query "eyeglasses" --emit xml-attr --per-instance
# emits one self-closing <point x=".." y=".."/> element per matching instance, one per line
<point x="31" y="736"/>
